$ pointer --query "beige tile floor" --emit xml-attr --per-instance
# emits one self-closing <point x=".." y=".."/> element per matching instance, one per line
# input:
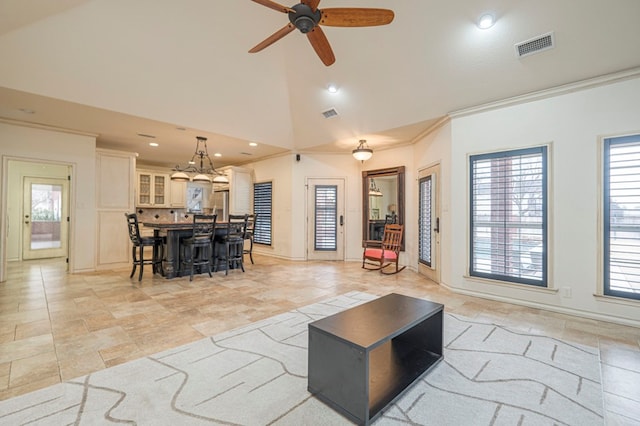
<point x="56" y="326"/>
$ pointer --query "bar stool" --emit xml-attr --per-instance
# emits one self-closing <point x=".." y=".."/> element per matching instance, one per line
<point x="248" y="235"/>
<point x="231" y="241"/>
<point x="198" y="248"/>
<point x="139" y="243"/>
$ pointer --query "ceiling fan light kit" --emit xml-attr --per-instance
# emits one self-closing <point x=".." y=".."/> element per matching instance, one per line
<point x="306" y="17"/>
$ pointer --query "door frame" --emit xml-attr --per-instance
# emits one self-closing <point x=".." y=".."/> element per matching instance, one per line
<point x="339" y="253"/>
<point x="4" y="220"/>
<point x="432" y="272"/>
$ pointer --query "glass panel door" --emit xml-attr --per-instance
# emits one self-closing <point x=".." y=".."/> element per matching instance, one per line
<point x="45" y="218"/>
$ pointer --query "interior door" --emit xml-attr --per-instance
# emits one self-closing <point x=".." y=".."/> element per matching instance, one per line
<point x="429" y="226"/>
<point x="45" y="218"/>
<point x="325" y="219"/>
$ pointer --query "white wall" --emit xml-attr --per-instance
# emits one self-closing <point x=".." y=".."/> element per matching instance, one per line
<point x="573" y="125"/>
<point x="435" y="148"/>
<point x="34" y="145"/>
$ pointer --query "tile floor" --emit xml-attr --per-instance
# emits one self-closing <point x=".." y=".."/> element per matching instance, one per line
<point x="56" y="326"/>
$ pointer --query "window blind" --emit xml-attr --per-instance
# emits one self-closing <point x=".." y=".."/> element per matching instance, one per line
<point x="622" y="217"/>
<point x="326" y="213"/>
<point x="424" y="226"/>
<point x="508" y="216"/>
<point x="262" y="206"/>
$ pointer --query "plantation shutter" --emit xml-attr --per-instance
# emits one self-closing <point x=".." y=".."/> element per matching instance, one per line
<point x="262" y="206"/>
<point x="326" y="213"/>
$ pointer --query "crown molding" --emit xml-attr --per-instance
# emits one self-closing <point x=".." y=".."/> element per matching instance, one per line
<point x="551" y="92"/>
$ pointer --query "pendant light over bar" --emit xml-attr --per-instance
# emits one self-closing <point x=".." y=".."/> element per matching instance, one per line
<point x="204" y="172"/>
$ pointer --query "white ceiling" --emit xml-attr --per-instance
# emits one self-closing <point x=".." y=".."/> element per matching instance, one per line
<point x="118" y="68"/>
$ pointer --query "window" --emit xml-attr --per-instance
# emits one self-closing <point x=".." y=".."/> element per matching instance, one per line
<point x="326" y="206"/>
<point x="622" y="217"/>
<point x="262" y="206"/>
<point x="424" y="229"/>
<point x="509" y="216"/>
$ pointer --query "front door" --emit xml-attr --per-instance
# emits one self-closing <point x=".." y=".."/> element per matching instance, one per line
<point x="45" y="218"/>
<point x="325" y="219"/>
<point x="429" y="222"/>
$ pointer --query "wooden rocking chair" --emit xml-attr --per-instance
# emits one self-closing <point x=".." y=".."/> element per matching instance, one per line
<point x="381" y="254"/>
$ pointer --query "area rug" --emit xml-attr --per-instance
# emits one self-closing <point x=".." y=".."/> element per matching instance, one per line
<point x="257" y="375"/>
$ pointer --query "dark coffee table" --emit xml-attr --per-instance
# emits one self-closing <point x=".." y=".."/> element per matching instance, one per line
<point x="362" y="359"/>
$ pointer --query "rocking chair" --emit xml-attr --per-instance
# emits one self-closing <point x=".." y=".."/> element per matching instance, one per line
<point x="381" y="254"/>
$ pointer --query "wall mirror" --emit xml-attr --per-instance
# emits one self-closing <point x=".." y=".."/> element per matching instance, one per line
<point x="382" y="201"/>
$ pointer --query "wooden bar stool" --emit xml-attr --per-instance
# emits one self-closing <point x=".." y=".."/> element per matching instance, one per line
<point x="198" y="248"/>
<point x="231" y="242"/>
<point x="139" y="243"/>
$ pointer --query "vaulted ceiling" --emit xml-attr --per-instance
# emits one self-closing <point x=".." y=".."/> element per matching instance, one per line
<point x="177" y="69"/>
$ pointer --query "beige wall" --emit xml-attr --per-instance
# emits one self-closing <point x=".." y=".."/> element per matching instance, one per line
<point x="77" y="151"/>
<point x="573" y="125"/>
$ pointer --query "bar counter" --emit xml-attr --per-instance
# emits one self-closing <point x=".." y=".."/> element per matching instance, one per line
<point x="173" y="231"/>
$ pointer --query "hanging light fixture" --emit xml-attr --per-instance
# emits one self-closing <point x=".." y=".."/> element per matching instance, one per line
<point x="374" y="190"/>
<point x="204" y="171"/>
<point x="362" y="152"/>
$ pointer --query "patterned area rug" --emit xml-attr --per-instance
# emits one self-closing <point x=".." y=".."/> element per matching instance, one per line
<point x="256" y="375"/>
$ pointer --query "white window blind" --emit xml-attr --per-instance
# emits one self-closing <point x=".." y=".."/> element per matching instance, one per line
<point x="622" y="217"/>
<point x="424" y="230"/>
<point x="326" y="213"/>
<point x="509" y="216"/>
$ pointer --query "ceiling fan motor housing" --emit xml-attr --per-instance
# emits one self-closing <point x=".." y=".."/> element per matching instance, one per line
<point x="304" y="18"/>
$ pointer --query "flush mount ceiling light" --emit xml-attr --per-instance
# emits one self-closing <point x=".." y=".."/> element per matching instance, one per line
<point x="486" y="21"/>
<point x="202" y="173"/>
<point x="362" y="152"/>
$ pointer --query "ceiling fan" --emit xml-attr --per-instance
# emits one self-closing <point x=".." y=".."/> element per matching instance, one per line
<point x="306" y="17"/>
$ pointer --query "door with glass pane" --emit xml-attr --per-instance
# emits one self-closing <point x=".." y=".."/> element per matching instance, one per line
<point x="325" y="219"/>
<point x="429" y="223"/>
<point x="45" y="215"/>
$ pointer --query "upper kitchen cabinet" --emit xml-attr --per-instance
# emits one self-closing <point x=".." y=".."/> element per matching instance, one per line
<point x="153" y="189"/>
<point x="178" y="194"/>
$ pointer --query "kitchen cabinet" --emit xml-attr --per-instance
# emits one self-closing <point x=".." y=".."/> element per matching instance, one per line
<point x="178" y="197"/>
<point x="152" y="189"/>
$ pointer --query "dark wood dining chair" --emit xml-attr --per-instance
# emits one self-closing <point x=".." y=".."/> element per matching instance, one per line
<point x="230" y="240"/>
<point x="248" y="235"/>
<point x="139" y="243"/>
<point x="198" y="248"/>
<point x="378" y="255"/>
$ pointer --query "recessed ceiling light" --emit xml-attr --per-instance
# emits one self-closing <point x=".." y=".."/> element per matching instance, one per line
<point x="217" y="154"/>
<point x="332" y="88"/>
<point x="153" y="144"/>
<point x="486" y="21"/>
<point x="253" y="144"/>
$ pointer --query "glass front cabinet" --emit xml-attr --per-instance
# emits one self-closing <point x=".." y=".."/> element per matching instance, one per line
<point x="152" y="189"/>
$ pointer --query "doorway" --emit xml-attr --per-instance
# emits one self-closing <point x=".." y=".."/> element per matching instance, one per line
<point x="429" y="222"/>
<point x="325" y="219"/>
<point x="45" y="218"/>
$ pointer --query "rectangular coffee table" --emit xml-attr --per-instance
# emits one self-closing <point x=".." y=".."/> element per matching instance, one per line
<point x="362" y="359"/>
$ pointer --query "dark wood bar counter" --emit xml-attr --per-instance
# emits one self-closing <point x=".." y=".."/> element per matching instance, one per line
<point x="173" y="231"/>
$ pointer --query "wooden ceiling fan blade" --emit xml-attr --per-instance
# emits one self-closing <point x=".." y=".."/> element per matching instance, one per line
<point x="275" y="6"/>
<point x="273" y="38"/>
<point x="355" y="17"/>
<point x="313" y="4"/>
<point x="321" y="45"/>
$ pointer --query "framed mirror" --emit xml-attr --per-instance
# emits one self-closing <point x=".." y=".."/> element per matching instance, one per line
<point x="382" y="201"/>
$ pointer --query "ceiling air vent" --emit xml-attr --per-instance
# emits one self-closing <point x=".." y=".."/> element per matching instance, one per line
<point x="330" y="113"/>
<point x="535" y="45"/>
